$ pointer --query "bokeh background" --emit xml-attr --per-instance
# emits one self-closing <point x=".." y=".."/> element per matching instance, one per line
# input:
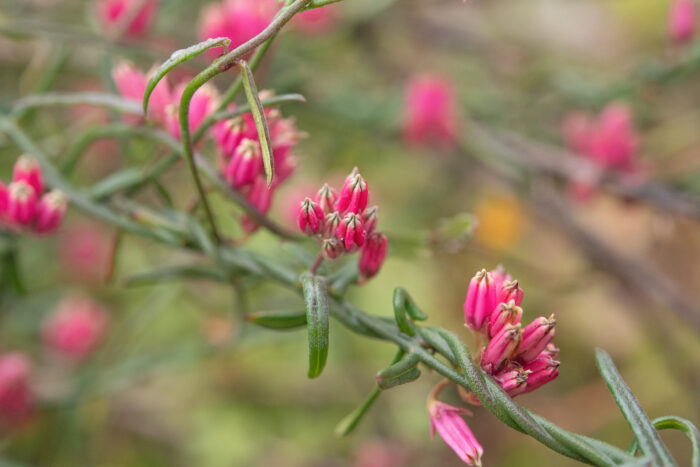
<point x="182" y="380"/>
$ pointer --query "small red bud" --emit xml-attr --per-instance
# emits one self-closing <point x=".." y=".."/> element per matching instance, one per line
<point x="310" y="217"/>
<point x="351" y="232"/>
<point x="373" y="254"/>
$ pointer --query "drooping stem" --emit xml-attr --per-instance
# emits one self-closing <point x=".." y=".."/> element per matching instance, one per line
<point x="316" y="264"/>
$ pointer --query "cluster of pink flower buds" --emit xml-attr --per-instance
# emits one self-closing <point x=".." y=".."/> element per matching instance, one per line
<point x="75" y="328"/>
<point x="23" y="203"/>
<point x="164" y="102"/>
<point x="16" y="396"/>
<point x="520" y="359"/>
<point x="241" y="161"/>
<point x="239" y="20"/>
<point x="134" y="16"/>
<point x="682" y="20"/>
<point x="429" y="112"/>
<point x="610" y="141"/>
<point x="344" y="224"/>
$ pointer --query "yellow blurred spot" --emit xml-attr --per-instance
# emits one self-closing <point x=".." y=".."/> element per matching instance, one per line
<point x="499" y="222"/>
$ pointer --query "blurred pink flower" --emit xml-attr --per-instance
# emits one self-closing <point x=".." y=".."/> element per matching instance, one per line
<point x="131" y="84"/>
<point x="239" y="20"/>
<point x="260" y="196"/>
<point x="430" y="115"/>
<point x="377" y="453"/>
<point x="682" y="20"/>
<point x="204" y="101"/>
<point x="27" y="169"/>
<point x="75" y="327"/>
<point x="50" y="211"/>
<point x="83" y="250"/>
<point x="21" y="203"/>
<point x="16" y="397"/>
<point x="318" y="20"/>
<point x="112" y="13"/>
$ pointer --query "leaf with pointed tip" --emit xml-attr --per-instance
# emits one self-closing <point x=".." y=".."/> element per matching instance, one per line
<point x="649" y="440"/>
<point x="256" y="108"/>
<point x="177" y="57"/>
<point x="98" y="99"/>
<point x="316" y="297"/>
<point x="401" y="372"/>
<point x="268" y="102"/>
<point x="676" y="423"/>
<point x="278" y="319"/>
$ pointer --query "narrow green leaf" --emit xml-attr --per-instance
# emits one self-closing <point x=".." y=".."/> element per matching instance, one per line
<point x="98" y="99"/>
<point x="115" y="182"/>
<point x="643" y="429"/>
<point x="177" y="57"/>
<point x="676" y="423"/>
<point x="278" y="319"/>
<point x="404" y="307"/>
<point x="175" y="273"/>
<point x="268" y="102"/>
<point x="256" y="108"/>
<point x="401" y="372"/>
<point x="316" y="297"/>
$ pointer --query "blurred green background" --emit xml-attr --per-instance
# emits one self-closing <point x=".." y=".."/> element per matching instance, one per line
<point x="182" y="380"/>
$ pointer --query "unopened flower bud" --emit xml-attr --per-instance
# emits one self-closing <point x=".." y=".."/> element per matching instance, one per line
<point x="499" y="277"/>
<point x="332" y="248"/>
<point x="536" y="336"/>
<point x="682" y="20"/>
<point x="542" y="370"/>
<point x="50" y="210"/>
<point x="4" y="198"/>
<point x="370" y="219"/>
<point x="228" y="135"/>
<point x="510" y="290"/>
<point x="21" y="203"/>
<point x="310" y="217"/>
<point x="513" y="380"/>
<point x="447" y="421"/>
<point x="503" y="314"/>
<point x="330" y="224"/>
<point x="245" y="165"/>
<point x="354" y="195"/>
<point x="373" y="254"/>
<point x="260" y="196"/>
<point x="326" y="198"/>
<point x="27" y="170"/>
<point x="501" y="348"/>
<point x="351" y="232"/>
<point x="480" y="301"/>
<point x="551" y="350"/>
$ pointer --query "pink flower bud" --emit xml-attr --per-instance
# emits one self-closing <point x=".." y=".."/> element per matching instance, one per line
<point x="373" y="254"/>
<point x="480" y="301"/>
<point x="113" y="13"/>
<point x="501" y="348"/>
<point x="50" y="210"/>
<point x="75" y="328"/>
<point x="536" y="336"/>
<point x="429" y="112"/>
<point x="369" y="217"/>
<point x="615" y="141"/>
<point x="682" y="20"/>
<point x="351" y="232"/>
<point x="332" y="248"/>
<point x="4" y="200"/>
<point x="203" y="102"/>
<point x="542" y="370"/>
<point x="503" y="314"/>
<point x="510" y="290"/>
<point x="21" y="203"/>
<point x="245" y="165"/>
<point x="354" y="195"/>
<point x="499" y="277"/>
<point x="310" y="217"/>
<point x="551" y="351"/>
<point x="27" y="170"/>
<point x="228" y="134"/>
<point x="513" y="380"/>
<point x="16" y="397"/>
<point x="326" y="198"/>
<point x="130" y="81"/>
<point x="447" y="421"/>
<point x="161" y="97"/>
<point x="331" y="224"/>
<point x="260" y="196"/>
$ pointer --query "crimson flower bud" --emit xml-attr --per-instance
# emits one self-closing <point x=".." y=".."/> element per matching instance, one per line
<point x="513" y="379"/>
<point x="480" y="301"/>
<point x="682" y="20"/>
<point x="50" y="210"/>
<point x="542" y="370"/>
<point x="330" y="224"/>
<point x="500" y="276"/>
<point x="326" y="198"/>
<point x="510" y="291"/>
<point x="260" y="196"/>
<point x="27" y="170"/>
<point x="373" y="254"/>
<point x="369" y="217"/>
<point x="245" y="165"/>
<point x="4" y="198"/>
<point x="447" y="421"/>
<point x="228" y="134"/>
<point x="351" y="232"/>
<point x="310" y="217"/>
<point x="501" y="348"/>
<point x="504" y="313"/>
<point x="354" y="195"/>
<point x="332" y="248"/>
<point x="21" y="203"/>
<point x="536" y="336"/>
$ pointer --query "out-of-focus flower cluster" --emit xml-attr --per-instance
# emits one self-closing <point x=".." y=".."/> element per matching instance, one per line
<point x="131" y="17"/>
<point x="23" y="203"/>
<point x="430" y="115"/>
<point x="344" y="224"/>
